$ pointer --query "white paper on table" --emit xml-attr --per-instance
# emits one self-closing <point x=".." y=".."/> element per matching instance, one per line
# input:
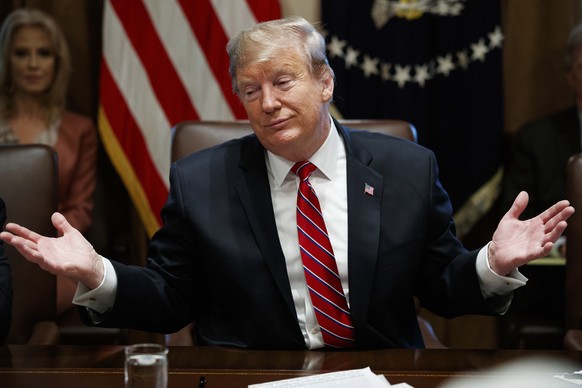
<point x="355" y="378"/>
<point x="570" y="377"/>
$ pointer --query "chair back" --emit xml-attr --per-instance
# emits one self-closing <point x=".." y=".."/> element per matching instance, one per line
<point x="398" y="128"/>
<point x="28" y="176"/>
<point x="192" y="136"/>
<point x="573" y="275"/>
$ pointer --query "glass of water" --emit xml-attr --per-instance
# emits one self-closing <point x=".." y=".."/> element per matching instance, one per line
<point x="146" y="366"/>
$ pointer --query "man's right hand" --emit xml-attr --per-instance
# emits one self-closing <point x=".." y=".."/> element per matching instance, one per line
<point x="69" y="255"/>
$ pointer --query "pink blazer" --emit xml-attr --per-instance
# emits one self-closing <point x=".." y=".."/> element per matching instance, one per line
<point x="76" y="149"/>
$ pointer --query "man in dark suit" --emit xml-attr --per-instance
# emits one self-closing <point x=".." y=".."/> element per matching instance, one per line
<point x="228" y="255"/>
<point x="537" y="163"/>
<point x="541" y="149"/>
<point x="5" y="283"/>
<point x="538" y="159"/>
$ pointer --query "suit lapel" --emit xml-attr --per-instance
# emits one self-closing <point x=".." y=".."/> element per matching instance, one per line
<point x="254" y="193"/>
<point x="363" y="219"/>
<point x="365" y="191"/>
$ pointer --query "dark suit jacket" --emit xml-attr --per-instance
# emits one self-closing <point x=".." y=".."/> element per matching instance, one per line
<point x="5" y="283"/>
<point x="539" y="159"/>
<point x="217" y="259"/>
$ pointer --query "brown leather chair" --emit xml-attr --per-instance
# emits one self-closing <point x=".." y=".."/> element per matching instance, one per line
<point x="192" y="136"/>
<point x="573" y="275"/>
<point x="28" y="176"/>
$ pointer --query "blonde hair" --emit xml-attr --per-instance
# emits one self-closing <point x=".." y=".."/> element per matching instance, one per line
<point x="260" y="42"/>
<point x="55" y="97"/>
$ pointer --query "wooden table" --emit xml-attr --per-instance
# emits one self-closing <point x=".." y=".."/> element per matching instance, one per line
<point x="102" y="366"/>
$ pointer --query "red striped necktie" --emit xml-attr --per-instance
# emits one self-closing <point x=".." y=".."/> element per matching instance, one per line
<point x="319" y="265"/>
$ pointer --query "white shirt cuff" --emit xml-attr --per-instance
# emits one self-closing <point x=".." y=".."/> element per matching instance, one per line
<point x="493" y="284"/>
<point x="101" y="298"/>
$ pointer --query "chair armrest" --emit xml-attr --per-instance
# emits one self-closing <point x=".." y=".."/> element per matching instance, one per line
<point x="573" y="339"/>
<point x="182" y="337"/>
<point x="429" y="337"/>
<point x="44" y="333"/>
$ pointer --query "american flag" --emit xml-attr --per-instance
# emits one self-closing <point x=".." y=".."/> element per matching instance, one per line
<point x="164" y="62"/>
<point x="368" y="189"/>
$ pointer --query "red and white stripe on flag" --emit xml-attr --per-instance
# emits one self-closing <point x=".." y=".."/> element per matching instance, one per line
<point x="164" y="62"/>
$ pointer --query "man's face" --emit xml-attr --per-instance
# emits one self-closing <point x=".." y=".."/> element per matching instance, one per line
<point x="32" y="60"/>
<point x="287" y="107"/>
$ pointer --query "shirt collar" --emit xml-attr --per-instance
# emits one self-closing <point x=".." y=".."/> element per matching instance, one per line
<point x="325" y="159"/>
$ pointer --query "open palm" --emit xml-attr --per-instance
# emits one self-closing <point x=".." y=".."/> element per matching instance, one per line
<point x="516" y="242"/>
<point x="69" y="254"/>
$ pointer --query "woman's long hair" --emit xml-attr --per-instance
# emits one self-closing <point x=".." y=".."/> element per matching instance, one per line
<point x="54" y="98"/>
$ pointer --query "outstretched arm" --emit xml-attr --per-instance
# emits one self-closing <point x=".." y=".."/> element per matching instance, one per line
<point x="517" y="242"/>
<point x="69" y="255"/>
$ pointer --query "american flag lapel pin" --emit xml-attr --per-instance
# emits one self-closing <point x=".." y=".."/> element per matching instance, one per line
<point x="368" y="189"/>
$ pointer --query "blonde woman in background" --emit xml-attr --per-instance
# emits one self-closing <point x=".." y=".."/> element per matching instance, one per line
<point x="34" y="74"/>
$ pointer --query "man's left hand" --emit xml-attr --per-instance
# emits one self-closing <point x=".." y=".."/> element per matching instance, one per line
<point x="517" y="242"/>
